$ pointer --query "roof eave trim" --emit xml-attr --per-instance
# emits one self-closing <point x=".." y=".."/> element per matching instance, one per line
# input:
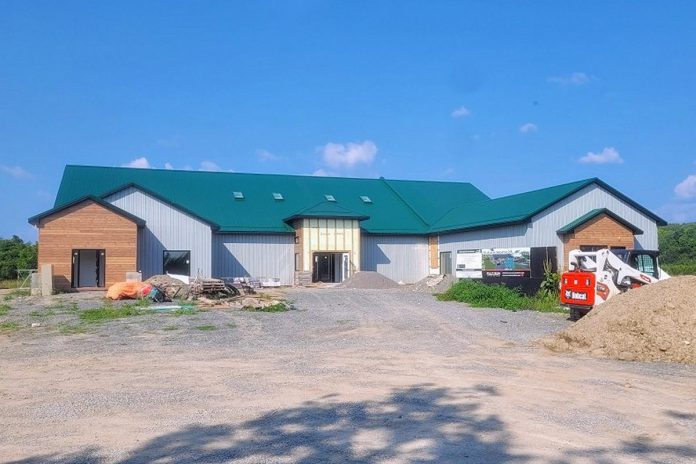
<point x="214" y="226"/>
<point x="34" y="220"/>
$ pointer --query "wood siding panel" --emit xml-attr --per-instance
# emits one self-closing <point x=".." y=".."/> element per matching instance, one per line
<point x="602" y="230"/>
<point x="87" y="225"/>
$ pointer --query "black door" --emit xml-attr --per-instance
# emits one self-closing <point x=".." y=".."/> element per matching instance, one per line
<point x="324" y="268"/>
<point x="88" y="268"/>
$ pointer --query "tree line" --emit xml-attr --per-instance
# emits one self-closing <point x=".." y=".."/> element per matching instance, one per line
<point x="15" y="254"/>
<point x="678" y="248"/>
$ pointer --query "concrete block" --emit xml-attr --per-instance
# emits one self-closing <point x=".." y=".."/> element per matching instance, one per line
<point x="47" y="279"/>
<point x="35" y="284"/>
<point x="134" y="277"/>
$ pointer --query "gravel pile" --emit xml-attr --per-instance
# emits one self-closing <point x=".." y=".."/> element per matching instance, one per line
<point x="367" y="280"/>
<point x="654" y="323"/>
<point x="434" y="284"/>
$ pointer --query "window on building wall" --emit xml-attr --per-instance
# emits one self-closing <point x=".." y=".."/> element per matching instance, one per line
<point x="297" y="262"/>
<point x="592" y="247"/>
<point x="177" y="262"/>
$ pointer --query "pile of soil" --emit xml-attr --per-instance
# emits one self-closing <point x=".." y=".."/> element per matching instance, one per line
<point x="434" y="284"/>
<point x="653" y="323"/>
<point x="368" y="279"/>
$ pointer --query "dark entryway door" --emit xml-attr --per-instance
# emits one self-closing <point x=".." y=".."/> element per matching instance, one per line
<point x="331" y="267"/>
<point x="177" y="262"/>
<point x="88" y="268"/>
<point x="446" y="262"/>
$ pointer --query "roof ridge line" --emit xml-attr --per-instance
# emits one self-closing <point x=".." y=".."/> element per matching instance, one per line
<point x="403" y="200"/>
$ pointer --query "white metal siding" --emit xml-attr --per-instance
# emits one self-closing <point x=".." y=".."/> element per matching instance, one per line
<point x="252" y="255"/>
<point x="166" y="228"/>
<point x="542" y="229"/>
<point x="401" y="258"/>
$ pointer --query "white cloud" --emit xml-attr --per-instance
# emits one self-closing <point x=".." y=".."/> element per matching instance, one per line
<point x="686" y="188"/>
<point x="461" y="112"/>
<point x="576" y="78"/>
<point x="141" y="163"/>
<point x="528" y="127"/>
<point x="168" y="166"/>
<point x="265" y="155"/>
<point x="342" y="156"/>
<point x="17" y="172"/>
<point x="606" y="156"/>
<point x="209" y="166"/>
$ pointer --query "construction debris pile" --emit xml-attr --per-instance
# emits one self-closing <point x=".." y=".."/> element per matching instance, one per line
<point x="434" y="284"/>
<point x="368" y="280"/>
<point x="654" y="323"/>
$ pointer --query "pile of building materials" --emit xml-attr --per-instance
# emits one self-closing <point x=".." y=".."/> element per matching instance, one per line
<point x="656" y="322"/>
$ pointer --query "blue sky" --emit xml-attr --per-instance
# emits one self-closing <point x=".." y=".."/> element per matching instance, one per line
<point x="510" y="96"/>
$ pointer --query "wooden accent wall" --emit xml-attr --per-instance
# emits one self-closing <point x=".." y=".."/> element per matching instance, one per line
<point x="433" y="252"/>
<point x="601" y="230"/>
<point x="87" y="225"/>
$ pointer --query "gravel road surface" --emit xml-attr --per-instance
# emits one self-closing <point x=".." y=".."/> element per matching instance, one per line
<point x="389" y="376"/>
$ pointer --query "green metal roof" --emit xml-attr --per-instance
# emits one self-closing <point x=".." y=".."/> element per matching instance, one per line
<point x="396" y="207"/>
<point x="520" y="208"/>
<point x="209" y="196"/>
<point x="327" y="209"/>
<point x="593" y="214"/>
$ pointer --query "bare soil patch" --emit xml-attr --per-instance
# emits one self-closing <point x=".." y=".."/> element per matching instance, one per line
<point x="653" y="323"/>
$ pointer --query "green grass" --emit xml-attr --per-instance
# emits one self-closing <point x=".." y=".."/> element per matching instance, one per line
<point x="109" y="312"/>
<point x="9" y="283"/>
<point x="276" y="308"/>
<point x="171" y="327"/>
<point x="183" y="312"/>
<point x="680" y="269"/>
<point x="46" y="313"/>
<point x="72" y="329"/>
<point x="4" y="309"/>
<point x="480" y="295"/>
<point x="9" y="326"/>
<point x="16" y="293"/>
<point x="205" y="327"/>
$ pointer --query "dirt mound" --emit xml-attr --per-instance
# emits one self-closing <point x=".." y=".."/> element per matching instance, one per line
<point x="654" y="323"/>
<point x="434" y="284"/>
<point x="368" y="279"/>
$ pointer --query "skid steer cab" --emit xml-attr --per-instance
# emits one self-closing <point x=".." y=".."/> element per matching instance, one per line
<point x="596" y="276"/>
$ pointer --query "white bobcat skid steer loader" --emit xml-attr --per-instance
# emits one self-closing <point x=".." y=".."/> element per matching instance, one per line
<point x="596" y="276"/>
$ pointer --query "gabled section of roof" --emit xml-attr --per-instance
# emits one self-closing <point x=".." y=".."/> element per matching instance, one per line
<point x="327" y="209"/>
<point x="34" y="220"/>
<point x="520" y="208"/>
<point x="569" y="228"/>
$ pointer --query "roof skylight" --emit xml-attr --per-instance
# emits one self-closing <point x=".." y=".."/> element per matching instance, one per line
<point x="329" y="198"/>
<point x="238" y="195"/>
<point x="277" y="196"/>
<point x="365" y="199"/>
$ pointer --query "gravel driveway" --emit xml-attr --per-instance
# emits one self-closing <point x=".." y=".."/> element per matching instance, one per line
<point x="347" y="376"/>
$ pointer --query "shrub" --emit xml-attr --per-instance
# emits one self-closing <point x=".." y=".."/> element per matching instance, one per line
<point x="480" y="295"/>
<point x="680" y="269"/>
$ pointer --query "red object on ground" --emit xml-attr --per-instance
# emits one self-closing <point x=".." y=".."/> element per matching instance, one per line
<point x="578" y="288"/>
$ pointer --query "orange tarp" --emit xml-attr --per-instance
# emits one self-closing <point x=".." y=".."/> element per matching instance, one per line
<point x="128" y="290"/>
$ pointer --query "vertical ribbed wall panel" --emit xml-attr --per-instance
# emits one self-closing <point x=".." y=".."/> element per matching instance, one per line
<point x="166" y="228"/>
<point x="254" y="255"/>
<point x="542" y="231"/>
<point x="401" y="258"/>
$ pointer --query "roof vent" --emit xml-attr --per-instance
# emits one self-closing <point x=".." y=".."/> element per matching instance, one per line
<point x="238" y="195"/>
<point x="277" y="196"/>
<point x="329" y="198"/>
<point x="365" y="199"/>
